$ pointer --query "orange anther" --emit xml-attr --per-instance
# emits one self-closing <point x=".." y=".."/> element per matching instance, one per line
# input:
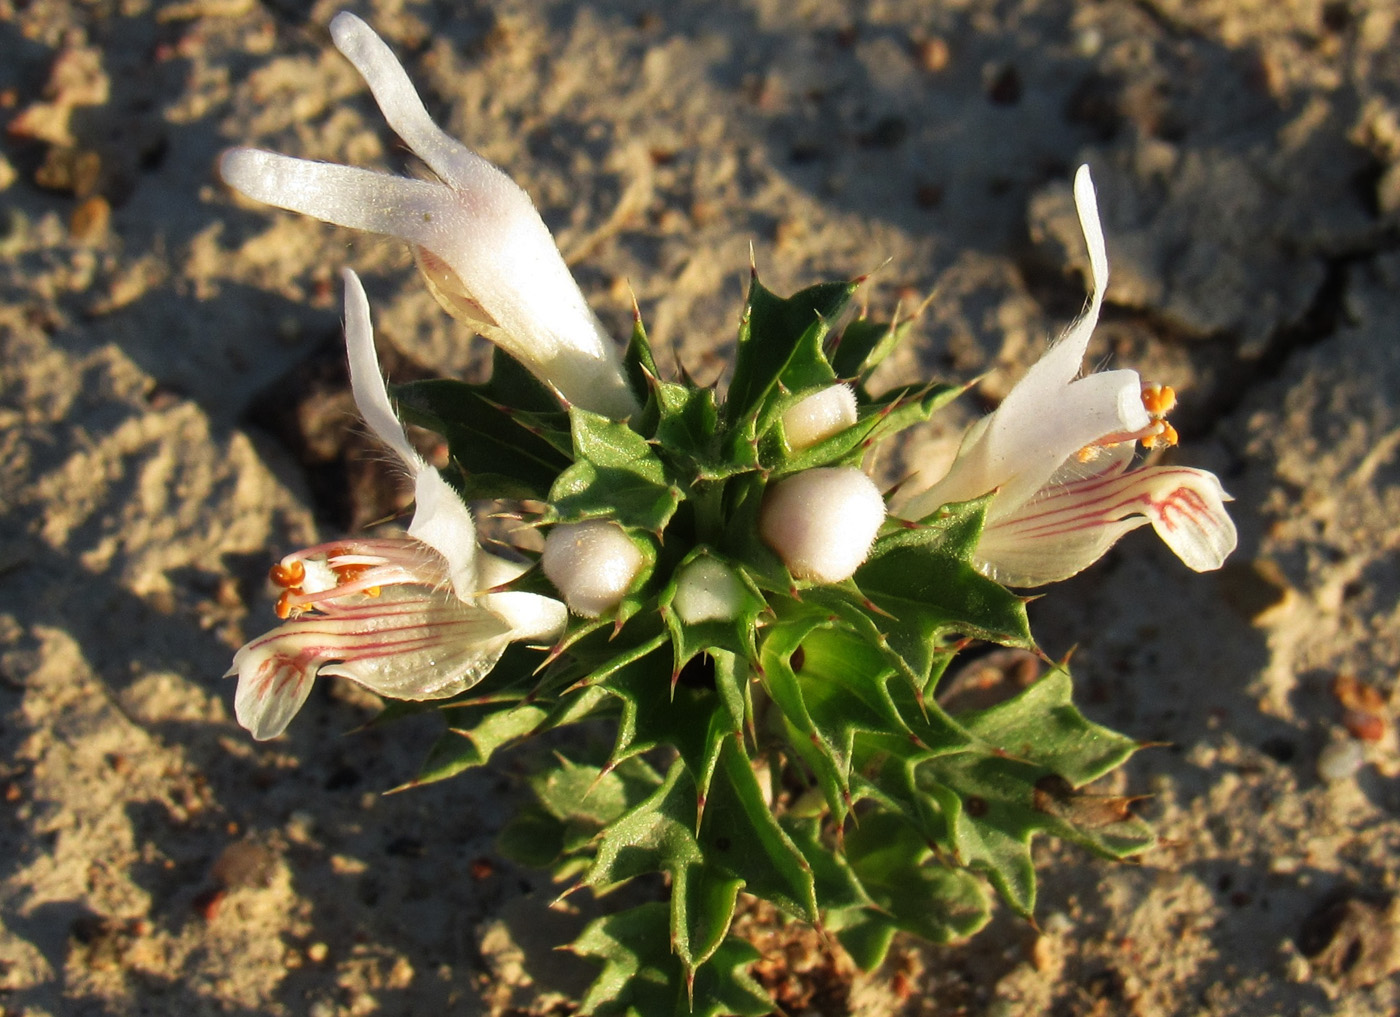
<point x="1165" y="437"/>
<point x="288" y="574"/>
<point x="349" y="573"/>
<point x="285" y="608"/>
<point x="1158" y="400"/>
<point x="372" y="591"/>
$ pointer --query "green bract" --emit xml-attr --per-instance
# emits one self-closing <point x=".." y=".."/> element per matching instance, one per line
<point x="792" y="745"/>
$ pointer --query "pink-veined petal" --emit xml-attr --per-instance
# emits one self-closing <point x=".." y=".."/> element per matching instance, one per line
<point x="1069" y="527"/>
<point x="405" y="644"/>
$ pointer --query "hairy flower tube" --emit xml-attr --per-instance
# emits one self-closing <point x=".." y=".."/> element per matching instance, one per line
<point x="480" y="242"/>
<point x="1058" y="453"/>
<point x="408" y="618"/>
<point x="822" y="522"/>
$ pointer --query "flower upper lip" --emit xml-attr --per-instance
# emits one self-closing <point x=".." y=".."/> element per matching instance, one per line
<point x="486" y="253"/>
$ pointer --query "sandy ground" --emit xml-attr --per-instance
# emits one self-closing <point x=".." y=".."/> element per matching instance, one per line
<point x="172" y="419"/>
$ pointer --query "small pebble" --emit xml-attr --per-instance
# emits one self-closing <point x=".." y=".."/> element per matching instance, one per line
<point x="1340" y="759"/>
<point x="317" y="952"/>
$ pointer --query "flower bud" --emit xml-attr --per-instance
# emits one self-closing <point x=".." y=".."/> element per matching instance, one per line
<point x="819" y="416"/>
<point x="592" y="564"/>
<point x="822" y="522"/>
<point x="708" y="591"/>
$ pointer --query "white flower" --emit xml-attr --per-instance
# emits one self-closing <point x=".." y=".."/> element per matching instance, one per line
<point x="592" y="564"/>
<point x="478" y="238"/>
<point x="409" y="617"/>
<point x="822" y="522"/>
<point x="1058" y="452"/>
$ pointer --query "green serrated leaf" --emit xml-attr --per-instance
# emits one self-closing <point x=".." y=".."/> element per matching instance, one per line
<point x="616" y="475"/>
<point x="771" y="333"/>
<point x="919" y="577"/>
<point x="483" y="437"/>
<point x="1042" y="725"/>
<point x="474" y="734"/>
<point x="915" y="891"/>
<point x="532" y="837"/>
<point x="864" y="344"/>
<point x="656" y="835"/>
<point x="1021" y="779"/>
<point x="739" y="834"/>
<point x="642" y="978"/>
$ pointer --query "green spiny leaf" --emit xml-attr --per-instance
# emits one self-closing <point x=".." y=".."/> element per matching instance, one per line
<point x="1042" y="726"/>
<point x="771" y="331"/>
<point x="914" y="890"/>
<point x="483" y="436"/>
<point x="739" y="834"/>
<point x="615" y="476"/>
<point x="920" y="578"/>
<point x="474" y="734"/>
<point x="642" y="978"/>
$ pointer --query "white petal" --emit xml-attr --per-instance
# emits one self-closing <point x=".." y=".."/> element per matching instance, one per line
<point x="416" y="210"/>
<point x="531" y="617"/>
<point x="403" y="645"/>
<point x="1069" y="527"/>
<point x="399" y="102"/>
<point x="440" y="518"/>
<point x="366" y="383"/>
<point x="1048" y="416"/>
<point x="492" y="255"/>
<point x="442" y="521"/>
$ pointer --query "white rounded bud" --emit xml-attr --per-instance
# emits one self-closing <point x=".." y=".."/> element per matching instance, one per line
<point x="822" y="522"/>
<point x="592" y="564"/>
<point x="708" y="591"/>
<point x="819" y="416"/>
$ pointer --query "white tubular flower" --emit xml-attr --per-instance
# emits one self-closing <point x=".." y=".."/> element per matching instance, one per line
<point x="1057" y="452"/>
<point x="487" y="255"/>
<point x="820" y="415"/>
<point x="707" y="590"/>
<point x="408" y="617"/>
<point x="592" y="564"/>
<point x="822" y="522"/>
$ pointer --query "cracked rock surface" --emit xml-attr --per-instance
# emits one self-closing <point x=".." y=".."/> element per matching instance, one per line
<point x="171" y="422"/>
